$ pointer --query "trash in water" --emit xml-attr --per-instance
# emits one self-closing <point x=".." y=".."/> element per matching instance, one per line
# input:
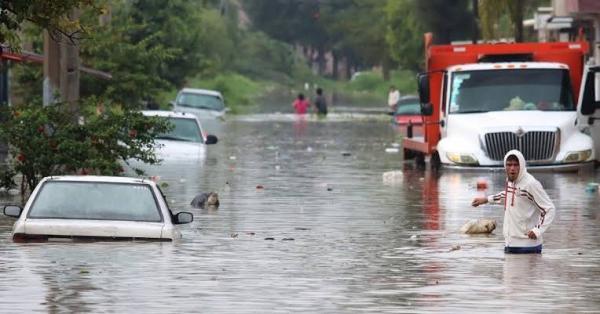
<point x="346" y="154"/>
<point x="395" y="145"/>
<point x="269" y="238"/>
<point x="592" y="187"/>
<point x="232" y="158"/>
<point x="482" y="184"/>
<point x="309" y="149"/>
<point x="301" y="228"/>
<point x="475" y="226"/>
<point x="182" y="180"/>
<point x="391" y="177"/>
<point x="259" y="187"/>
<point x="329" y="189"/>
<point x="277" y="167"/>
<point x="392" y="150"/>
<point x="287" y="239"/>
<point x="413" y="237"/>
<point x="454" y="248"/>
<point x="234" y="235"/>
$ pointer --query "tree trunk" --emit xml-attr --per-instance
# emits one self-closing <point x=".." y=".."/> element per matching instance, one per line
<point x="475" y="4"/>
<point x="335" y="61"/>
<point x="519" y="21"/>
<point x="385" y="68"/>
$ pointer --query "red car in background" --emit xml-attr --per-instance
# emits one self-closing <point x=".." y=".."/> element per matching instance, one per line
<point x="409" y="110"/>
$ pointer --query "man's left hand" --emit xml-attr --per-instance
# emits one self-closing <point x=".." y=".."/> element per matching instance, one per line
<point x="531" y="234"/>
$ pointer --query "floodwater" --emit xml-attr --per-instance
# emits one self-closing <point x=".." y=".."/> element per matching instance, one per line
<point x="306" y="224"/>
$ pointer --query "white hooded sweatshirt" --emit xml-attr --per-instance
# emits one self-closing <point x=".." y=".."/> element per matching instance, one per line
<point x="526" y="207"/>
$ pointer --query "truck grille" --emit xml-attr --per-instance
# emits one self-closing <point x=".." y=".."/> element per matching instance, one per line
<point x="535" y="145"/>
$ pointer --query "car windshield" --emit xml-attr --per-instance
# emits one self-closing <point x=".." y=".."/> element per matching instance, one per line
<point x="200" y="101"/>
<point x="95" y="200"/>
<point x="408" y="107"/>
<point x="503" y="90"/>
<point x="184" y="129"/>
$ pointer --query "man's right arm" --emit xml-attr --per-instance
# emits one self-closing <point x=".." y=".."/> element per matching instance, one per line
<point x="492" y="199"/>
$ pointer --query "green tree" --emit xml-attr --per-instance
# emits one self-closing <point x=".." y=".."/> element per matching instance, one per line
<point x="448" y="20"/>
<point x="50" y="15"/>
<point x="405" y="34"/>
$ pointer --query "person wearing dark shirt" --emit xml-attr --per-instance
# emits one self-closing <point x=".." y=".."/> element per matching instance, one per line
<point x="320" y="102"/>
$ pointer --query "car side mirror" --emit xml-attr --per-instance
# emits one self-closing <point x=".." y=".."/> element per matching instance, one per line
<point x="183" y="218"/>
<point x="12" y="211"/>
<point x="211" y="139"/>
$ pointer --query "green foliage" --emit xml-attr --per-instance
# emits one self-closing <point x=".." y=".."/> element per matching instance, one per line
<point x="373" y="82"/>
<point x="449" y="20"/>
<point x="405" y="34"/>
<point x="50" y="15"/>
<point x="54" y="140"/>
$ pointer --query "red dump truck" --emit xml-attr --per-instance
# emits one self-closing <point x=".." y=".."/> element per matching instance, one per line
<point x="481" y="100"/>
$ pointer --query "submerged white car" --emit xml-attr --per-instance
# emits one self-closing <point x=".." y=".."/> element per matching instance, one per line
<point x="95" y="208"/>
<point x="186" y="140"/>
<point x="203" y="103"/>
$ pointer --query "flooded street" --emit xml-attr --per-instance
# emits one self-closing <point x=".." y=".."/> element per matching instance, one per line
<point x="306" y="224"/>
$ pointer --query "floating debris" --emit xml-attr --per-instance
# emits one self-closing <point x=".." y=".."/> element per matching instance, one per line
<point x="232" y="157"/>
<point x="259" y="187"/>
<point x="301" y="228"/>
<point x="391" y="177"/>
<point x="454" y="248"/>
<point x="592" y="187"/>
<point x="287" y="239"/>
<point x="346" y="154"/>
<point x="475" y="226"/>
<point x="482" y="184"/>
<point x="234" y="235"/>
<point x="269" y="238"/>
<point x="392" y="150"/>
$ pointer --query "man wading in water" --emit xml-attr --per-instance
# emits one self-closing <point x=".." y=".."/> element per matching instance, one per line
<point x="528" y="211"/>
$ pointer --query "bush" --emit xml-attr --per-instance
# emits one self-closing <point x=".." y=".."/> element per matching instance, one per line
<point x="55" y="140"/>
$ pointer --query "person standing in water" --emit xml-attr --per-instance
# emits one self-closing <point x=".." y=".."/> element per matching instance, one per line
<point x="300" y="104"/>
<point x="321" y="102"/>
<point x="528" y="211"/>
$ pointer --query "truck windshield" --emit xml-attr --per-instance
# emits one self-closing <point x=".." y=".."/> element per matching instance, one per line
<point x="512" y="89"/>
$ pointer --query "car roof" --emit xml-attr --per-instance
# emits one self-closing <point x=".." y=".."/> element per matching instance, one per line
<point x="201" y="91"/>
<point x="106" y="179"/>
<point x="167" y="113"/>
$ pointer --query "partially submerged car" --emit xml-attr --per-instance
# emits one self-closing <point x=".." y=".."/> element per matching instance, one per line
<point x="186" y="140"/>
<point x="96" y="208"/>
<point x="408" y="110"/>
<point x="203" y="103"/>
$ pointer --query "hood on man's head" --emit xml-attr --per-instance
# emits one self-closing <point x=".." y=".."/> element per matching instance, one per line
<point x="522" y="165"/>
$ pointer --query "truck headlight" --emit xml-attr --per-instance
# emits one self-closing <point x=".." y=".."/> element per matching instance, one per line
<point x="465" y="159"/>
<point x="582" y="155"/>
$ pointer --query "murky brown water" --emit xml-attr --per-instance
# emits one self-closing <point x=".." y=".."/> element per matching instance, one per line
<point x="359" y="245"/>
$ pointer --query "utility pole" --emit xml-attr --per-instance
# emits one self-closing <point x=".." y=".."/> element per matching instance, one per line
<point x="61" y="69"/>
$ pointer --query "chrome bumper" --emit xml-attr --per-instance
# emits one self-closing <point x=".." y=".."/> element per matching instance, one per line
<point x="584" y="166"/>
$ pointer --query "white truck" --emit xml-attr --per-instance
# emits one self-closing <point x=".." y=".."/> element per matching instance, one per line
<point x="480" y="101"/>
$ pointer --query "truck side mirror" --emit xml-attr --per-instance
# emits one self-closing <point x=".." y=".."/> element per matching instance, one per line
<point x="589" y="101"/>
<point x="423" y="86"/>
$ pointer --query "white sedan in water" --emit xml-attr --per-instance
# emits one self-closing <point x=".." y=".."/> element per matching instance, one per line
<point x="187" y="139"/>
<point x="203" y="103"/>
<point x="95" y="207"/>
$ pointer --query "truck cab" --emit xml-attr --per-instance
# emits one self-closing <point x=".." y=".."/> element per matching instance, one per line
<point x="481" y="100"/>
<point x="491" y="108"/>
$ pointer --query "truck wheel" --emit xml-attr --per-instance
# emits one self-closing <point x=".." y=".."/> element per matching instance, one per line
<point x="420" y="159"/>
<point x="435" y="161"/>
<point x="408" y="154"/>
